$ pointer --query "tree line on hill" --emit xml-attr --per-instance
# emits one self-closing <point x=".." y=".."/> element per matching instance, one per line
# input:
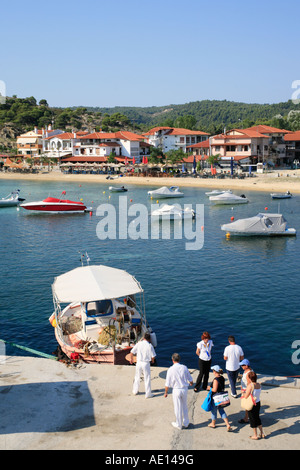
<point x="19" y="115"/>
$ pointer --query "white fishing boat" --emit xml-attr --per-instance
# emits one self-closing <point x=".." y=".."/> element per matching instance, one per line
<point x="174" y="212"/>
<point x="262" y="224"/>
<point x="216" y="192"/>
<point x="229" y="198"/>
<point x="165" y="192"/>
<point x="12" y="199"/>
<point x="117" y="189"/>
<point x="103" y="318"/>
<point x="286" y="195"/>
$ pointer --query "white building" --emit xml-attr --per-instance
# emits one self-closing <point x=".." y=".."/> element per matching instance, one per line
<point x="171" y="138"/>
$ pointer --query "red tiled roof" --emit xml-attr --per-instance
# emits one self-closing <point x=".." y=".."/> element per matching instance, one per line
<point x="204" y="144"/>
<point x="292" y="136"/>
<point x="266" y="129"/>
<point x="64" y="136"/>
<point x="175" y="131"/>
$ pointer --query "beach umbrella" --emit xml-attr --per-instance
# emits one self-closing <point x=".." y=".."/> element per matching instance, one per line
<point x="133" y="160"/>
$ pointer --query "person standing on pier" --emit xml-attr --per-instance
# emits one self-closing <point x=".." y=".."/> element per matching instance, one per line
<point x="233" y="355"/>
<point x="179" y="378"/>
<point x="204" y="352"/>
<point x="145" y="355"/>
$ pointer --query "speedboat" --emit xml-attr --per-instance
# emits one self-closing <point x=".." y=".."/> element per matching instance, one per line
<point x="116" y="189"/>
<point x="216" y="192"/>
<point x="103" y="320"/>
<point x="56" y="206"/>
<point x="286" y="195"/>
<point x="174" y="212"/>
<point x="228" y="198"/>
<point x="13" y="199"/>
<point x="165" y="192"/>
<point x="261" y="224"/>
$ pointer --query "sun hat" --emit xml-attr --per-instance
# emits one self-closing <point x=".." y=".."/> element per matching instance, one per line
<point x="245" y="362"/>
<point x="216" y="368"/>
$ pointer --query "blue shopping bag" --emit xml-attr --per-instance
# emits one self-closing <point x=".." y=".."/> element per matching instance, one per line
<point x="207" y="404"/>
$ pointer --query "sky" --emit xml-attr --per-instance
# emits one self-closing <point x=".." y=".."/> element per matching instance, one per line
<point x="156" y="53"/>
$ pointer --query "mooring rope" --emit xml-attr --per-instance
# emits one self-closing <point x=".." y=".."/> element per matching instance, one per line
<point x="48" y="356"/>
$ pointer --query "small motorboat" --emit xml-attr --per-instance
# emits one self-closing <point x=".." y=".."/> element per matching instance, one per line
<point x="174" y="212"/>
<point x="260" y="225"/>
<point x="103" y="319"/>
<point x="12" y="199"/>
<point x="286" y="195"/>
<point x="229" y="198"/>
<point x="56" y="206"/>
<point x="117" y="189"/>
<point x="216" y="192"/>
<point x="165" y="192"/>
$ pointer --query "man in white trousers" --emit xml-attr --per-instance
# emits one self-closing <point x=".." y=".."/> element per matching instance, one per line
<point x="145" y="354"/>
<point x="179" y="378"/>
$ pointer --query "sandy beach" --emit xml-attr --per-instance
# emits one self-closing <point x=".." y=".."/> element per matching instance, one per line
<point x="277" y="181"/>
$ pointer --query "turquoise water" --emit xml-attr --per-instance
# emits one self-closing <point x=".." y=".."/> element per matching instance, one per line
<point x="247" y="287"/>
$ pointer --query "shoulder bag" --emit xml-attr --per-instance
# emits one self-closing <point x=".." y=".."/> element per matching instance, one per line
<point x="248" y="403"/>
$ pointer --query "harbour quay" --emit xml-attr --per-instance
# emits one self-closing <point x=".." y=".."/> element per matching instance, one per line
<point x="49" y="405"/>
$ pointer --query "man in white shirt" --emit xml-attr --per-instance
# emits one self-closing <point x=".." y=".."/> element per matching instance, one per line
<point x="178" y="378"/>
<point x="145" y="354"/>
<point x="233" y="354"/>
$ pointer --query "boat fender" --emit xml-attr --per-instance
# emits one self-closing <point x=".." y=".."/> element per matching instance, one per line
<point x="74" y="357"/>
<point x="153" y="339"/>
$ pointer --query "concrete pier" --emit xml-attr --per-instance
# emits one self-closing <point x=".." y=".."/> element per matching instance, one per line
<point x="47" y="405"/>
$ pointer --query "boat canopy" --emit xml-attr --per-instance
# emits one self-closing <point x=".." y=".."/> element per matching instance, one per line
<point x="88" y="283"/>
<point x="260" y="223"/>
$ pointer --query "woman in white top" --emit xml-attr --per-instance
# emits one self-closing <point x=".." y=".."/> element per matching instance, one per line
<point x="254" y="419"/>
<point x="204" y="352"/>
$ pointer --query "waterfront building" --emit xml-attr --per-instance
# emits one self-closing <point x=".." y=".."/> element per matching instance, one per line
<point x="171" y="138"/>
<point x="257" y="145"/>
<point x="292" y="142"/>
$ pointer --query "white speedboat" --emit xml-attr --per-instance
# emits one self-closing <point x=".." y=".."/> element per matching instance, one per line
<point x="286" y="195"/>
<point x="103" y="319"/>
<point x="229" y="198"/>
<point x="117" y="189"/>
<point x="216" y="192"/>
<point x="13" y="199"/>
<point x="262" y="224"/>
<point x="55" y="205"/>
<point x="174" y="212"/>
<point x="165" y="192"/>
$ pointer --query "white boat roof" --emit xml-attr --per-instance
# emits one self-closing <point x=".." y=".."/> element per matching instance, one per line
<point x="89" y="283"/>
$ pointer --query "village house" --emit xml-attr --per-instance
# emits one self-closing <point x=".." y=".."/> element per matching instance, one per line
<point x="171" y="138"/>
<point x="58" y="145"/>
<point x="258" y="145"/>
<point x="292" y="142"/>
<point x="122" y="144"/>
<point x="30" y="143"/>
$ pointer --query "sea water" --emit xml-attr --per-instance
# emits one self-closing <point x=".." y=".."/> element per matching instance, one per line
<point x="246" y="287"/>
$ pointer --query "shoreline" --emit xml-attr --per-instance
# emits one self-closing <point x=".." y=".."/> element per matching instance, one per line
<point x="279" y="181"/>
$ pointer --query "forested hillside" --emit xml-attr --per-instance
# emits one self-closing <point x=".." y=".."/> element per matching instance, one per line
<point x="19" y="115"/>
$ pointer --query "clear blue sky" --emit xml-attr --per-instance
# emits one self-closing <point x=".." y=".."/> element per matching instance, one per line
<point x="160" y="52"/>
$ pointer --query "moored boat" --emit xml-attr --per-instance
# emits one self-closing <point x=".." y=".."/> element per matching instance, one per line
<point x="174" y="212"/>
<point x="103" y="318"/>
<point x="56" y="206"/>
<point x="217" y="192"/>
<point x="229" y="198"/>
<point x="286" y="195"/>
<point x="262" y="224"/>
<point x="165" y="192"/>
<point x="12" y="199"/>
<point x="117" y="189"/>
